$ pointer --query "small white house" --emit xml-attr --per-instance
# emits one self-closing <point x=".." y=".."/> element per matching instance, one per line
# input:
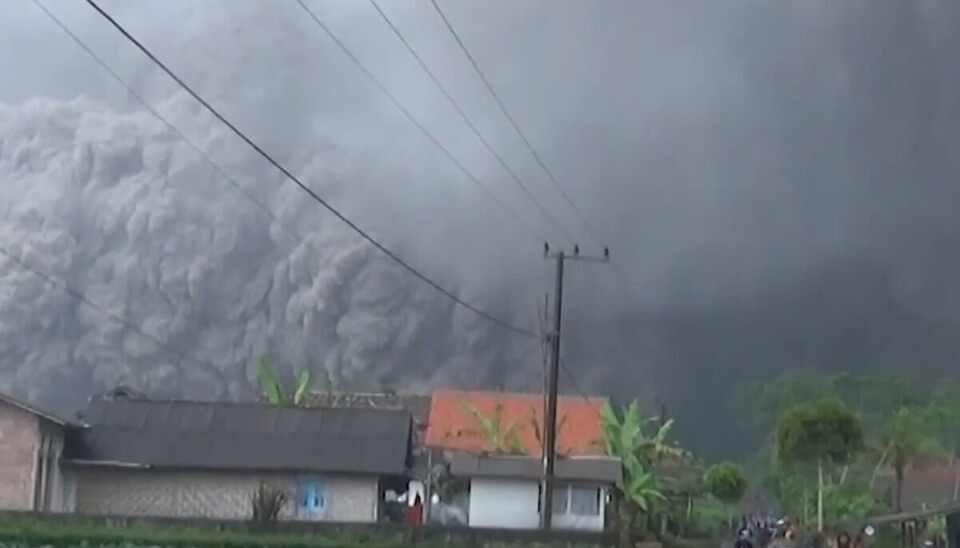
<point x="505" y="490"/>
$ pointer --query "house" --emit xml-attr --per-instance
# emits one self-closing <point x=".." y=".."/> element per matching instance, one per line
<point x="924" y="486"/>
<point x="505" y="490"/>
<point x="135" y="456"/>
<point x="466" y="422"/>
<point x="419" y="407"/>
<point x="492" y="442"/>
<point x="31" y="441"/>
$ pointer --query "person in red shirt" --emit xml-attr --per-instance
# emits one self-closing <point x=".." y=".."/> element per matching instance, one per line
<point x="415" y="513"/>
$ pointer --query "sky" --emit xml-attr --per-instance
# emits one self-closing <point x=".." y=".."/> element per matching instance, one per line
<point x="777" y="184"/>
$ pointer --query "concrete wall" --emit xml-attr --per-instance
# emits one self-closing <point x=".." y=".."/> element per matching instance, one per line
<point x="508" y="504"/>
<point x="50" y="479"/>
<point x="216" y="495"/>
<point x="19" y="443"/>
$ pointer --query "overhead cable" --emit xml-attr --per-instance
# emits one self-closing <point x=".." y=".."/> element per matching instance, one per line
<point x="516" y="127"/>
<point x="62" y="286"/>
<point x="470" y="124"/>
<point x="310" y="192"/>
<point x="156" y="114"/>
<point x="406" y="112"/>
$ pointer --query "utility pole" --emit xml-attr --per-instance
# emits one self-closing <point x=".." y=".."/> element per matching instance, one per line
<point x="553" y="374"/>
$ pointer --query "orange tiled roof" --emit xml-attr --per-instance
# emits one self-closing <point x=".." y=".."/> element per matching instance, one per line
<point x="453" y="425"/>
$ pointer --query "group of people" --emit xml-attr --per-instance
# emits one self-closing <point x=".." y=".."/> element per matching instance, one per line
<point x="759" y="531"/>
<point x="769" y="532"/>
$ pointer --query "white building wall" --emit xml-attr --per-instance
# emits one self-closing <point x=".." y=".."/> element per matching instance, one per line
<point x="508" y="504"/>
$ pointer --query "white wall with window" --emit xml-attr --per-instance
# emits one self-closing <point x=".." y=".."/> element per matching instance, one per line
<point x="504" y="503"/>
<point x="505" y="490"/>
<point x="515" y="504"/>
<point x="579" y="506"/>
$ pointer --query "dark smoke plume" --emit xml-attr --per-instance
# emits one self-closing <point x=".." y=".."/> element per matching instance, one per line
<point x="778" y="182"/>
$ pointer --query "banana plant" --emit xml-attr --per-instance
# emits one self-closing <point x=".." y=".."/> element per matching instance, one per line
<point x="538" y="432"/>
<point x="640" y="488"/>
<point x="502" y="438"/>
<point x="273" y="389"/>
<point x="626" y="438"/>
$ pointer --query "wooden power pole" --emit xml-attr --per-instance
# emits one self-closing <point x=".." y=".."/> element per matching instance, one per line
<point x="553" y="374"/>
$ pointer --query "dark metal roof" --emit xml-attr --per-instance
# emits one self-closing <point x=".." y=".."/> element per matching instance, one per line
<point x="598" y="469"/>
<point x="241" y="436"/>
<point x="23" y="406"/>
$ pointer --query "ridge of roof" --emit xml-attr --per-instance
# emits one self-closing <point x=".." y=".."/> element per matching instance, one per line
<point x="236" y="403"/>
<point x="518" y="395"/>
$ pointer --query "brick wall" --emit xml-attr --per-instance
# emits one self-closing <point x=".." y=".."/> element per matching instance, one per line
<point x="214" y="495"/>
<point x="19" y="436"/>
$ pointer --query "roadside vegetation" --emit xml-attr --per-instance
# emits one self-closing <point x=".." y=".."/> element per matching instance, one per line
<point x="18" y="530"/>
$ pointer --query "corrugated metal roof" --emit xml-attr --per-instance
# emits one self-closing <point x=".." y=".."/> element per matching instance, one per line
<point x="254" y="436"/>
<point x="598" y="469"/>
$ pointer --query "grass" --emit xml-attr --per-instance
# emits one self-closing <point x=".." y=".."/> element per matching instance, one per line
<point x="35" y="531"/>
<point x="26" y="530"/>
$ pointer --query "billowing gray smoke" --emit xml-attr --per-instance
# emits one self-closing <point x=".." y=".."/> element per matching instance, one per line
<point x="778" y="183"/>
<point x="116" y="207"/>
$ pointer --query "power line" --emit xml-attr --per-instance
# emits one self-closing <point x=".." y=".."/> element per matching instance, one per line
<point x="470" y="124"/>
<point x="573" y="379"/>
<point x="383" y="88"/>
<point x="313" y="195"/>
<point x="133" y="93"/>
<point x="516" y="126"/>
<point x="82" y="298"/>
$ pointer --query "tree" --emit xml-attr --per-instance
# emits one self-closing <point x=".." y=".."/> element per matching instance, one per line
<point x="273" y="388"/>
<point x="267" y="503"/>
<point x="727" y="482"/>
<point x="944" y="411"/>
<point x="765" y="401"/>
<point x="824" y="432"/>
<point x="625" y="439"/>
<point x="907" y="436"/>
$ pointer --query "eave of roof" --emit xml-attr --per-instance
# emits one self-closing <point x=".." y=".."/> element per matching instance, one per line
<point x="23" y="406"/>
<point x="591" y="469"/>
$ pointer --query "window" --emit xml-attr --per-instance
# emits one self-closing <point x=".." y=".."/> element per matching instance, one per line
<point x="584" y="501"/>
<point x="560" y="499"/>
<point x="576" y="500"/>
<point x="313" y="496"/>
